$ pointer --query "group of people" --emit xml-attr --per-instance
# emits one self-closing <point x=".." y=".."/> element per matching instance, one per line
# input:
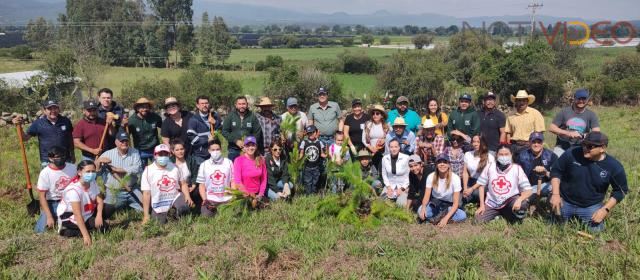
<point x="168" y="166"/>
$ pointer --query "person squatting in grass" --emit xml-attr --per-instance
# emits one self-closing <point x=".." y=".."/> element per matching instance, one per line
<point x="52" y="181"/>
<point x="474" y="163"/>
<point x="189" y="169"/>
<point x="214" y="178"/>
<point x="279" y="185"/>
<point x="395" y="174"/>
<point x="508" y="189"/>
<point x="250" y="170"/>
<point x="82" y="207"/>
<point x="164" y="188"/>
<point x="442" y="196"/>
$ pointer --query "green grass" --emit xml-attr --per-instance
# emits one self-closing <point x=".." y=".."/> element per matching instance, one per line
<point x="592" y="59"/>
<point x="302" y="54"/>
<point x="285" y="242"/>
<point x="8" y="65"/>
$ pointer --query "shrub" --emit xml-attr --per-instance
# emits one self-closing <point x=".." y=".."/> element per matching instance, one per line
<point x="347" y="42"/>
<point x="357" y="62"/>
<point x="385" y="40"/>
<point x="292" y="81"/>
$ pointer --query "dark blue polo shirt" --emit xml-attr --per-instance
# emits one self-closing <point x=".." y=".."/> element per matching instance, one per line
<point x="50" y="134"/>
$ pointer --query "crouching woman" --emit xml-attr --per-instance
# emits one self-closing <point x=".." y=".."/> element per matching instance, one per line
<point x="442" y="195"/>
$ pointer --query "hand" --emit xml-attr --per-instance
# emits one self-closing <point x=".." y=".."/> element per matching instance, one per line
<point x="212" y="120"/>
<point x="280" y="194"/>
<point x="443" y="222"/>
<point x="239" y="143"/>
<point x="423" y="212"/>
<point x="300" y="134"/>
<point x="556" y="203"/>
<point x="389" y="192"/>
<point x="189" y="202"/>
<point x="339" y="161"/>
<point x="599" y="215"/>
<point x="467" y="192"/>
<point x="480" y="210"/>
<point x="540" y="169"/>
<point x="380" y="143"/>
<point x="50" y="222"/>
<point x="517" y="204"/>
<point x="428" y="145"/>
<point x="110" y="118"/>
<point x="104" y="160"/>
<point x="87" y="240"/>
<point x="99" y="222"/>
<point x="17" y="120"/>
<point x="406" y="142"/>
<point x="145" y="219"/>
<point x="125" y="120"/>
<point x="323" y="155"/>
<point x="574" y="134"/>
<point x="353" y="149"/>
<point x="192" y="188"/>
<point x="95" y="151"/>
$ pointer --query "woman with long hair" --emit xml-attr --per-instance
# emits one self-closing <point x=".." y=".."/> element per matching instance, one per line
<point x="375" y="132"/>
<point x="456" y="154"/>
<point x="435" y="114"/>
<point x="278" y="184"/>
<point x="442" y="196"/>
<point x="250" y="170"/>
<point x="474" y="162"/>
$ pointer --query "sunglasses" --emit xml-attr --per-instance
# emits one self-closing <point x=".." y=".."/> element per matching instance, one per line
<point x="376" y="113"/>
<point x="590" y="146"/>
<point x="582" y="98"/>
<point x="276" y="149"/>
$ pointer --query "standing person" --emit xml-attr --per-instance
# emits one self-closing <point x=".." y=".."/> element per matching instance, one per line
<point x="573" y="122"/>
<point x="52" y="181"/>
<point x="402" y="110"/>
<point x="395" y="174"/>
<point x="442" y="196"/>
<point x="108" y="105"/>
<point x="269" y="122"/>
<point x="164" y="188"/>
<point x="536" y="163"/>
<point x="82" y="208"/>
<point x="354" y="127"/>
<point x="474" y="163"/>
<point x="279" y="185"/>
<point x="492" y="123"/>
<point x="52" y="129"/>
<point x="88" y="131"/>
<point x="336" y="156"/>
<point x="199" y="129"/>
<point x="405" y="137"/>
<point x="464" y="120"/>
<point x="375" y="133"/>
<point x="313" y="152"/>
<point x="417" y="181"/>
<point x="175" y="125"/>
<point x="437" y="117"/>
<point x="240" y="123"/>
<point x="250" y="170"/>
<point x="508" y="189"/>
<point x="122" y="162"/>
<point x="430" y="145"/>
<point x="581" y="178"/>
<point x="144" y="126"/>
<point x="523" y="122"/>
<point x="214" y="178"/>
<point x="325" y="115"/>
<point x="294" y="111"/>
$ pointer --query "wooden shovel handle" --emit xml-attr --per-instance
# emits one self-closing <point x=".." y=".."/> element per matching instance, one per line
<point x="24" y="156"/>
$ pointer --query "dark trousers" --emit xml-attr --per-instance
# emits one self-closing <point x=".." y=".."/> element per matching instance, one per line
<point x="70" y="229"/>
<point x="179" y="209"/>
<point x="310" y="179"/>
<point x="506" y="211"/>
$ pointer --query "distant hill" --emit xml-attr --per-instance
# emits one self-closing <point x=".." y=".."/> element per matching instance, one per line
<point x="20" y="11"/>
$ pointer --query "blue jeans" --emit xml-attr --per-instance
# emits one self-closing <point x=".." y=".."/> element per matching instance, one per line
<point x="233" y="153"/>
<point x="546" y="189"/>
<point x="310" y="178"/>
<point x="41" y="224"/>
<point x="433" y="211"/>
<point x="326" y="139"/>
<point x="123" y="199"/>
<point x="274" y="195"/>
<point x="145" y="156"/>
<point x="584" y="214"/>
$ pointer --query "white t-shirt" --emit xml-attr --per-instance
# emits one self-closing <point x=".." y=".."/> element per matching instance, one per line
<point x="54" y="181"/>
<point x="75" y="192"/>
<point x="335" y="152"/>
<point x="164" y="185"/>
<point x="376" y="132"/>
<point x="502" y="185"/>
<point x="471" y="162"/>
<point x="184" y="170"/>
<point x="216" y="177"/>
<point x="441" y="192"/>
<point x="300" y="124"/>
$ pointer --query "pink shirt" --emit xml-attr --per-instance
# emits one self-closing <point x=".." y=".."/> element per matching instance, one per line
<point x="252" y="178"/>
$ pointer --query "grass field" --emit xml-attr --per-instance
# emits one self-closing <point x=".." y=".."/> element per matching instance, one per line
<point x="285" y="242"/>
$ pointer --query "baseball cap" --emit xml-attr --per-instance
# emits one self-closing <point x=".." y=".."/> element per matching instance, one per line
<point x="442" y="157"/>
<point x="170" y="101"/>
<point x="402" y="99"/>
<point x="415" y="158"/>
<point x="90" y="104"/>
<point x="50" y="103"/>
<point x="322" y="90"/>
<point x="250" y="139"/>
<point x="581" y="93"/>
<point x="161" y="148"/>
<point x="465" y="96"/>
<point x="536" y="136"/>
<point x="311" y="129"/>
<point x="356" y="101"/>
<point x="122" y="135"/>
<point x="292" y="101"/>
<point x="490" y="95"/>
<point x="596" y="138"/>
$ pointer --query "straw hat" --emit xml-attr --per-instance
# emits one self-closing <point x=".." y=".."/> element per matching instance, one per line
<point x="142" y="101"/>
<point x="522" y="94"/>
<point x="265" y="101"/>
<point x="428" y="123"/>
<point x="378" y="107"/>
<point x="399" y="121"/>
<point x="171" y="101"/>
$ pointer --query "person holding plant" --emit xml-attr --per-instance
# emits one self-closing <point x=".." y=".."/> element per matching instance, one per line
<point x="250" y="170"/>
<point x="338" y="156"/>
<point x="214" y="179"/>
<point x="279" y="185"/>
<point x="442" y="196"/>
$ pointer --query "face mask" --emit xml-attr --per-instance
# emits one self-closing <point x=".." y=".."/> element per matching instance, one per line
<point x="504" y="160"/>
<point x="216" y="155"/>
<point x="58" y="162"/>
<point x="162" y="160"/>
<point x="89" y="177"/>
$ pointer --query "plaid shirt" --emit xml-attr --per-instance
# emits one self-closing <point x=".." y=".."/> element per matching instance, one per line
<point x="456" y="162"/>
<point x="437" y="144"/>
<point x="270" y="128"/>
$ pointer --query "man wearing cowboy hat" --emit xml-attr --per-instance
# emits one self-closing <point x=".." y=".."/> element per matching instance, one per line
<point x="143" y="127"/>
<point x="240" y="123"/>
<point x="573" y="122"/>
<point x="492" y="123"/>
<point x="411" y="118"/>
<point x="406" y="138"/>
<point x="523" y="122"/>
<point x="269" y="122"/>
<point x="464" y="120"/>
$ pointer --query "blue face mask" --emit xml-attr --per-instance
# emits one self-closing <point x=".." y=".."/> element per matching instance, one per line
<point x="89" y="177"/>
<point x="162" y="160"/>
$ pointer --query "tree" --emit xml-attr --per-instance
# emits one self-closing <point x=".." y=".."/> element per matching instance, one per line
<point x="205" y="42"/>
<point x="385" y="40"/>
<point x="357" y="62"/>
<point x="291" y="41"/>
<point x="453" y="29"/>
<point x="221" y="40"/>
<point x="292" y="28"/>
<point x="302" y="83"/>
<point x="464" y="50"/>
<point x="422" y="40"/>
<point x="265" y="42"/>
<point x="173" y="13"/>
<point x="246" y="29"/>
<point x="39" y="34"/>
<point x="367" y="39"/>
<point x="347" y="41"/>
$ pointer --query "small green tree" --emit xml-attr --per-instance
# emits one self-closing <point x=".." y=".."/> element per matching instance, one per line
<point x="385" y="40"/>
<point x="422" y="40"/>
<point x="347" y="41"/>
<point x="221" y="40"/>
<point x="39" y="34"/>
<point x="204" y="36"/>
<point x="367" y="39"/>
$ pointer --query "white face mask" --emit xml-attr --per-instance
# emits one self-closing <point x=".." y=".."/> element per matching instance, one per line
<point x="216" y="155"/>
<point x="504" y="160"/>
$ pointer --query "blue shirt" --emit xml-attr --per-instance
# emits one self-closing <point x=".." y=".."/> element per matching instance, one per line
<point x="410" y="117"/>
<point x="52" y="134"/>
<point x="404" y="148"/>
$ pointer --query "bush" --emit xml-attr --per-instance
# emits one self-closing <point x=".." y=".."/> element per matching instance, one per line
<point x="154" y="89"/>
<point x="347" y="42"/>
<point x="367" y="39"/>
<point x="357" y="62"/>
<point x="619" y="81"/>
<point x="422" y="40"/>
<point x="292" y="81"/>
<point x="265" y="42"/>
<point x="271" y="61"/>
<point x="21" y="52"/>
<point x="385" y="40"/>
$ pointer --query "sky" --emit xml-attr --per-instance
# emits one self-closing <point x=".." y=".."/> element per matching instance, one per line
<point x="588" y="9"/>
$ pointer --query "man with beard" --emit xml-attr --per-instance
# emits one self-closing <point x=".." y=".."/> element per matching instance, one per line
<point x="430" y="145"/>
<point x="406" y="139"/>
<point x="573" y="122"/>
<point x="52" y="130"/>
<point x="269" y="122"/>
<point x="88" y="131"/>
<point x="402" y="110"/>
<point x="199" y="129"/>
<point x="464" y="120"/>
<point x="581" y="178"/>
<point x="240" y="123"/>
<point x="523" y="122"/>
<point x="175" y="125"/>
<point x="144" y="126"/>
<point x="492" y="123"/>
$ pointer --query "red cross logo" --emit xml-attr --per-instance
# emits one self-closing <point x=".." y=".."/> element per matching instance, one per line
<point x="166" y="184"/>
<point x="62" y="183"/>
<point x="501" y="185"/>
<point x="217" y="178"/>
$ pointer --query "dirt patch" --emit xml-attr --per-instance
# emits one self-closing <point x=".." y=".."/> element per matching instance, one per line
<point x="339" y="264"/>
<point x="614" y="246"/>
<point x="12" y="194"/>
<point x="281" y="265"/>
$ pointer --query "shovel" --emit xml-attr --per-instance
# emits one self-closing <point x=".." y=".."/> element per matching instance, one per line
<point x="33" y="207"/>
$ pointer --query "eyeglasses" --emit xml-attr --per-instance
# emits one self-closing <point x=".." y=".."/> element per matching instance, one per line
<point x="276" y="149"/>
<point x="590" y="146"/>
<point x="376" y="113"/>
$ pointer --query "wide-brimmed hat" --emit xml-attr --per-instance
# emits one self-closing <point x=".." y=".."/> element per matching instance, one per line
<point x="428" y="123"/>
<point x="522" y="94"/>
<point x="265" y="101"/>
<point x="364" y="153"/>
<point x="399" y="121"/>
<point x="171" y="101"/>
<point x="377" y="107"/>
<point x="141" y="101"/>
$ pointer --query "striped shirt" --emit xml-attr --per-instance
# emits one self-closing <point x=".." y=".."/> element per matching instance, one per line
<point x="130" y="162"/>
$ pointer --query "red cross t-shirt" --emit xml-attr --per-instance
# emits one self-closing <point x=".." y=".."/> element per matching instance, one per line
<point x="216" y="176"/>
<point x="502" y="185"/>
<point x="163" y="184"/>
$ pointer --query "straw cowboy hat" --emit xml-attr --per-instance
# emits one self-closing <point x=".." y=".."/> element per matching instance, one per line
<point x="265" y="101"/>
<point x="142" y="101"/>
<point x="522" y="94"/>
<point x="171" y="101"/>
<point x="428" y="123"/>
<point x="399" y="121"/>
<point x="377" y="107"/>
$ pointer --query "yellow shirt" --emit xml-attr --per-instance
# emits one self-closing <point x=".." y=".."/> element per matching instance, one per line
<point x="434" y="119"/>
<point x="520" y="126"/>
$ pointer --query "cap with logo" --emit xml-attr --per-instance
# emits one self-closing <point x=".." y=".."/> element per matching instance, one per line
<point x="465" y="96"/>
<point x="322" y="91"/>
<point x="311" y="129"/>
<point x="50" y="103"/>
<point x="90" y="104"/>
<point x="161" y="148"/>
<point x="536" y="136"/>
<point x="122" y="135"/>
<point x="490" y="95"/>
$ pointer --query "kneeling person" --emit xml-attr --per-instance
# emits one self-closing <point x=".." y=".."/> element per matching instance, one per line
<point x="442" y="195"/>
<point x="52" y="181"/>
<point x="214" y="176"/>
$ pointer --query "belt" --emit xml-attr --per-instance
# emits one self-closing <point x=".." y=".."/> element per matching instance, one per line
<point x="521" y="142"/>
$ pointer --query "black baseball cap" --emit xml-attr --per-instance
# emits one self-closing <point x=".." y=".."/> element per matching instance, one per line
<point x="355" y="102"/>
<point x="490" y="95"/>
<point x="465" y="96"/>
<point x="596" y="138"/>
<point x="311" y="129"/>
<point x="50" y="103"/>
<point x="122" y="135"/>
<point x="90" y="104"/>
